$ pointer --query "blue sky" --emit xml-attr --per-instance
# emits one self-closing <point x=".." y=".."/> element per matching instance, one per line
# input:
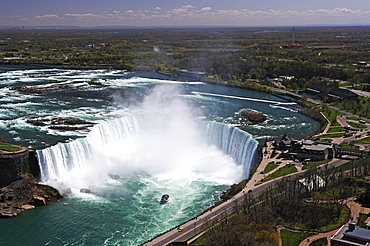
<point x="183" y="12"/>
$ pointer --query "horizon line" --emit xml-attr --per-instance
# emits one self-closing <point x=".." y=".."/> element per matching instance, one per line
<point x="20" y="27"/>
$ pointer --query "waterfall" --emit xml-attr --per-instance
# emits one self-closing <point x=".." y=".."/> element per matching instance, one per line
<point x="234" y="142"/>
<point x="125" y="145"/>
<point x="161" y="138"/>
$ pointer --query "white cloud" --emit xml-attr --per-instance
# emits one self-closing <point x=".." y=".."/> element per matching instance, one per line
<point x="205" y="9"/>
<point x="88" y="15"/>
<point x="192" y="15"/>
<point x="46" y="16"/>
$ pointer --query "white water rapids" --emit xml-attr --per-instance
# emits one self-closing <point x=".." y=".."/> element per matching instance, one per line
<point x="162" y="138"/>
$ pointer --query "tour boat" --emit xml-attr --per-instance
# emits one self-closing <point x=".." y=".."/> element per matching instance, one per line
<point x="164" y="199"/>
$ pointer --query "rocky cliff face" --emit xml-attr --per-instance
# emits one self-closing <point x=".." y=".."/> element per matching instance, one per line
<point x="13" y="164"/>
<point x="18" y="189"/>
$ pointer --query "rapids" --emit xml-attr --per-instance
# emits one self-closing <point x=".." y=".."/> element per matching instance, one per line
<point x="153" y="135"/>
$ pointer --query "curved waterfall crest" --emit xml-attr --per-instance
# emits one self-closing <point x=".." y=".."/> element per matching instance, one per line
<point x="134" y="143"/>
<point x="234" y="142"/>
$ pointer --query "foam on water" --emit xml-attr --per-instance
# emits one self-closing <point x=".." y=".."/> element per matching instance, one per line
<point x="162" y="138"/>
<point x="162" y="144"/>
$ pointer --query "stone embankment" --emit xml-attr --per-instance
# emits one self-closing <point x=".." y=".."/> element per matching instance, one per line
<point x="18" y="188"/>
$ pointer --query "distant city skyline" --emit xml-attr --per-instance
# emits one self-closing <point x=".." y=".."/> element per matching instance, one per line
<point x="183" y="13"/>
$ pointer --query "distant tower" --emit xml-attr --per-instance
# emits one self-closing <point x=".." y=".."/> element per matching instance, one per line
<point x="293" y="43"/>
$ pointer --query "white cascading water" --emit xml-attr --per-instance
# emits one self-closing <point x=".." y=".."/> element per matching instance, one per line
<point x="162" y="138"/>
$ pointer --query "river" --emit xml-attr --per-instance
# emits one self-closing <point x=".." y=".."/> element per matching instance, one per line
<point x="151" y="135"/>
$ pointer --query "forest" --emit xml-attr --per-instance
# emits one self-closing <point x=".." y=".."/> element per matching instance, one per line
<point x="321" y="208"/>
<point x="245" y="57"/>
<point x="234" y="55"/>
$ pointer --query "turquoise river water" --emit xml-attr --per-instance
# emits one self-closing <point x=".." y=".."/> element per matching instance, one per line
<point x="151" y="135"/>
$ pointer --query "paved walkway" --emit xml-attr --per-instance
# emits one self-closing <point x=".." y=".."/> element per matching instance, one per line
<point x="355" y="208"/>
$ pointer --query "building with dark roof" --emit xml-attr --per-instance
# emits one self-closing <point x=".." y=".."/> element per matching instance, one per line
<point x="314" y="150"/>
<point x="283" y="143"/>
<point x="351" y="235"/>
<point x="330" y="92"/>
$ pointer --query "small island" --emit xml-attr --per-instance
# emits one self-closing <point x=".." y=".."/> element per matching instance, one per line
<point x="253" y="116"/>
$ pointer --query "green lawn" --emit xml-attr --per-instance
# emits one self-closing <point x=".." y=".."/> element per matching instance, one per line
<point x="364" y="140"/>
<point x="346" y="146"/>
<point x="290" y="238"/>
<point x="361" y="220"/>
<point x="352" y="118"/>
<point x="270" y="167"/>
<point x="333" y="135"/>
<point x="331" y="114"/>
<point x="335" y="129"/>
<point x="318" y="242"/>
<point x="7" y="147"/>
<point x="314" y="164"/>
<point x="335" y="124"/>
<point x="343" y="218"/>
<point x="357" y="125"/>
<point x="281" y="172"/>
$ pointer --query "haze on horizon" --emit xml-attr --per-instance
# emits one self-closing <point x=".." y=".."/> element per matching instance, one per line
<point x="94" y="13"/>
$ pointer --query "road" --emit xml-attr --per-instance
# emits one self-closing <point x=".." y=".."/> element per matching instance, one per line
<point x="198" y="224"/>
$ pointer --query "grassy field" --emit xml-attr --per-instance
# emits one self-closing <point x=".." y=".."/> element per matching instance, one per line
<point x="290" y="238"/>
<point x="343" y="218"/>
<point x="318" y="242"/>
<point x="361" y="220"/>
<point x="331" y="114"/>
<point x="335" y="129"/>
<point x="364" y="141"/>
<point x="357" y="125"/>
<point x="8" y="147"/>
<point x="346" y="146"/>
<point x="333" y="135"/>
<point x="314" y="164"/>
<point x="270" y="167"/>
<point x="281" y="172"/>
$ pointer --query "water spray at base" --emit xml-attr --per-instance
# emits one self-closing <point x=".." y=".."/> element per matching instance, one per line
<point x="162" y="139"/>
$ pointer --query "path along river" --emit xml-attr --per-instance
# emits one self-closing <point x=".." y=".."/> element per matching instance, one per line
<point x="151" y="135"/>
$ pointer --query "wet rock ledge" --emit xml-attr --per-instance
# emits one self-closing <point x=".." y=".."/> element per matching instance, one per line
<point x="19" y="191"/>
<point x="253" y="116"/>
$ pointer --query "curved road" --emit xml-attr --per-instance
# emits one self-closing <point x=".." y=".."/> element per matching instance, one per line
<point x="198" y="224"/>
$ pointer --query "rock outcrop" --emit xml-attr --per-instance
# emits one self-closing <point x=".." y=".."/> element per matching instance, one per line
<point x="18" y="188"/>
<point x="253" y="116"/>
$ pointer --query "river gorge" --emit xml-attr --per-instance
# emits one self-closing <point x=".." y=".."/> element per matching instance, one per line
<point x="138" y="136"/>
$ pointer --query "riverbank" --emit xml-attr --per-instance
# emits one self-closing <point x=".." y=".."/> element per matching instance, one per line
<point x="19" y="190"/>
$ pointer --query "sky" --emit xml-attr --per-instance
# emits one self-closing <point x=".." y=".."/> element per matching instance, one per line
<point x="93" y="13"/>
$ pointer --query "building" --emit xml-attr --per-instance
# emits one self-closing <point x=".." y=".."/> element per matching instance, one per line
<point x="283" y="143"/>
<point x="351" y="235"/>
<point x="314" y="150"/>
<point x="306" y="149"/>
<point x="331" y="93"/>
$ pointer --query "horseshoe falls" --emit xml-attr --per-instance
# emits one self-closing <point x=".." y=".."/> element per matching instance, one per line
<point x="155" y="149"/>
<point x="151" y="136"/>
<point x="211" y="152"/>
